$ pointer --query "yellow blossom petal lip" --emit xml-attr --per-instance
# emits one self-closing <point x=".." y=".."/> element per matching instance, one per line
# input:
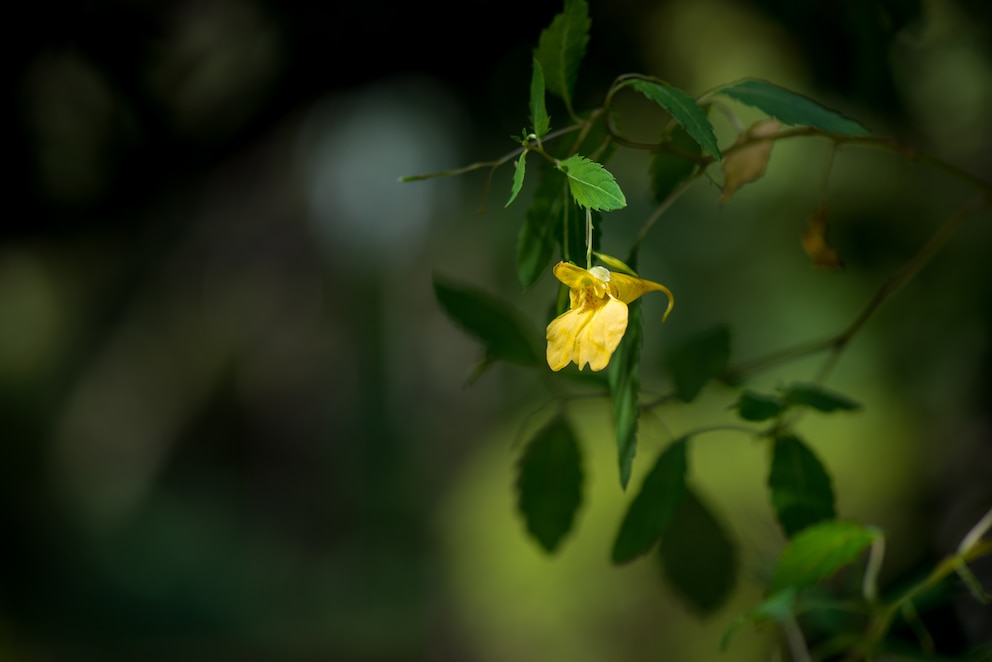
<point x="590" y="331"/>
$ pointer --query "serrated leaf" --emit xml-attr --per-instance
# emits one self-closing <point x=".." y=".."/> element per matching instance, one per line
<point x="652" y="510"/>
<point x="752" y="406"/>
<point x="538" y="111"/>
<point x="518" y="178"/>
<point x="801" y="490"/>
<point x="776" y="607"/>
<point x="549" y="483"/>
<point x="669" y="169"/>
<point x="683" y="109"/>
<point x="698" y="360"/>
<point x="818" y="552"/>
<point x="591" y="184"/>
<point x="561" y="47"/>
<point x="697" y="556"/>
<point x="504" y="332"/>
<point x="818" y="397"/>
<point x="747" y="163"/>
<point x="791" y="107"/>
<point x="624" y="381"/>
<point x="535" y="240"/>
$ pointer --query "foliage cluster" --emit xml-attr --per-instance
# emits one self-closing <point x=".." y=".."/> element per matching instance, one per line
<point x="667" y="515"/>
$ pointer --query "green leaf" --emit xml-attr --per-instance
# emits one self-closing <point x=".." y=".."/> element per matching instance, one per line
<point x="538" y="112"/>
<point x="818" y="552"/>
<point x="535" y="240"/>
<point x="818" y="398"/>
<point x="753" y="406"/>
<point x="669" y="169"/>
<point x="698" y="360"/>
<point x="683" y="108"/>
<point x="801" y="491"/>
<point x="776" y="607"/>
<point x="518" y="177"/>
<point x="503" y="332"/>
<point x="624" y="381"/>
<point x="549" y="483"/>
<point x="791" y="107"/>
<point x="697" y="557"/>
<point x="561" y="47"/>
<point x="653" y="508"/>
<point x="591" y="184"/>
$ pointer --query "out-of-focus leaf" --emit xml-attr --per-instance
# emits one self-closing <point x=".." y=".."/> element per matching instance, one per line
<point x="518" y="177"/>
<point x="818" y="552"/>
<point x="535" y="240"/>
<point x="625" y="384"/>
<point x="752" y="406"/>
<point x="668" y="169"/>
<point x="776" y="607"/>
<point x="747" y="164"/>
<point x="817" y="397"/>
<point x="538" y="111"/>
<point x="791" y="107"/>
<point x="814" y="240"/>
<point x="561" y="47"/>
<point x="801" y="490"/>
<point x="698" y="558"/>
<point x="591" y="184"/>
<point x="698" y="360"/>
<point x="504" y="333"/>
<point x="652" y="510"/>
<point x="683" y="109"/>
<point x="549" y="483"/>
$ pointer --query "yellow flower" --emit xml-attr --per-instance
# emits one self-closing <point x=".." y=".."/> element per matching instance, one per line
<point x="591" y="329"/>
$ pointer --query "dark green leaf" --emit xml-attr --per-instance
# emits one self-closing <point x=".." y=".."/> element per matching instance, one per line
<point x="791" y="107"/>
<point x="753" y="406"/>
<point x="624" y="380"/>
<point x="817" y="397"/>
<point x="818" y="552"/>
<point x="776" y="607"/>
<point x="503" y="332"/>
<point x="518" y="177"/>
<point x="698" y="360"/>
<point x="683" y="109"/>
<point x="538" y="112"/>
<point x="668" y="169"/>
<point x="697" y="556"/>
<point x="653" y="508"/>
<point x="536" y="238"/>
<point x="801" y="491"/>
<point x="549" y="483"/>
<point x="561" y="47"/>
<point x="591" y="184"/>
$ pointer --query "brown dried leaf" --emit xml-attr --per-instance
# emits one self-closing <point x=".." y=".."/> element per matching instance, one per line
<point x="814" y="239"/>
<point x="748" y="163"/>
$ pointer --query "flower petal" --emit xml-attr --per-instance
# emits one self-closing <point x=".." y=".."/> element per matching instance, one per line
<point x="562" y="337"/>
<point x="627" y="288"/>
<point x="578" y="278"/>
<point x="599" y="339"/>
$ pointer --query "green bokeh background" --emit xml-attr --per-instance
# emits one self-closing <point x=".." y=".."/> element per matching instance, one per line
<point x="232" y="418"/>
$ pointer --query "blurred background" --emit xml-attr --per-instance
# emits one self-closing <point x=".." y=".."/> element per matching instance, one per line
<point x="233" y="420"/>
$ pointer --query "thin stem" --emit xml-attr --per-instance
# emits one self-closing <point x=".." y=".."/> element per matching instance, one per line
<point x="588" y="238"/>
